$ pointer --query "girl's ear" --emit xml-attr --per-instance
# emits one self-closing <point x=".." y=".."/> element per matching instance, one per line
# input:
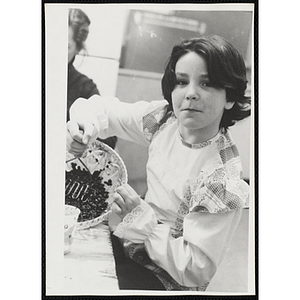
<point x="229" y="105"/>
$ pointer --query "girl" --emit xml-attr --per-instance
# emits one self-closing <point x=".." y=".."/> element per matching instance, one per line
<point x="196" y="193"/>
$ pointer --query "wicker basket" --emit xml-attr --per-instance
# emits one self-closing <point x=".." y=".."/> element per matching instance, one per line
<point x="91" y="181"/>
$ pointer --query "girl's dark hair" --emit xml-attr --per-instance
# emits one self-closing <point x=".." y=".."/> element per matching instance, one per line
<point x="226" y="69"/>
<point x="79" y="22"/>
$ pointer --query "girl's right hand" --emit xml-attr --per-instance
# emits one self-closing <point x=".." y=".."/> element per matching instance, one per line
<point x="82" y="127"/>
<point x="78" y="136"/>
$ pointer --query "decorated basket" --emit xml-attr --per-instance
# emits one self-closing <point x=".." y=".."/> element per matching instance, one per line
<point x="91" y="181"/>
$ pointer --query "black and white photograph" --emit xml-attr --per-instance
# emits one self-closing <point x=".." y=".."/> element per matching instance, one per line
<point x="150" y="149"/>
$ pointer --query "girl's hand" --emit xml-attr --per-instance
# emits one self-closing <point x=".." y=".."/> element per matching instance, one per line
<point x="82" y="127"/>
<point x="125" y="200"/>
<point x="78" y="136"/>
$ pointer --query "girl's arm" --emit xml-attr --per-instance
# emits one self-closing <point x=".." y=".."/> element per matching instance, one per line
<point x="112" y="117"/>
<point x="191" y="259"/>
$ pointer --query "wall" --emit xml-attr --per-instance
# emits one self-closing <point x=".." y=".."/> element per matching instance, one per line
<point x="150" y="36"/>
<point x="103" y="46"/>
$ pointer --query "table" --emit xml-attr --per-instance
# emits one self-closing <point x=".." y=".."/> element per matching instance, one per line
<point x="89" y="269"/>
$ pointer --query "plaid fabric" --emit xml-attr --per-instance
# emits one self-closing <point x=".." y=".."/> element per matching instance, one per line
<point x="217" y="190"/>
<point x="153" y="121"/>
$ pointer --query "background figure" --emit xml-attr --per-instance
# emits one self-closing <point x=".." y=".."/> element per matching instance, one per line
<point x="79" y="85"/>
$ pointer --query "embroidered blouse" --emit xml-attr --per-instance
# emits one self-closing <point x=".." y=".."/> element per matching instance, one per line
<point x="195" y="194"/>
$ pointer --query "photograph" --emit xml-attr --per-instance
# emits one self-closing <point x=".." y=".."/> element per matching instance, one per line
<point x="150" y="142"/>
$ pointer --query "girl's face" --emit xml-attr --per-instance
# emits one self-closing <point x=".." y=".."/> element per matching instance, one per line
<point x="72" y="50"/>
<point x="197" y="105"/>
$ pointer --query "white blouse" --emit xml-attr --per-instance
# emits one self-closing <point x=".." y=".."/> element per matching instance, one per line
<point x="195" y="192"/>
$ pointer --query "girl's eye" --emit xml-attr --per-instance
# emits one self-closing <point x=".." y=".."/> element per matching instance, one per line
<point x="180" y="82"/>
<point x="207" y="84"/>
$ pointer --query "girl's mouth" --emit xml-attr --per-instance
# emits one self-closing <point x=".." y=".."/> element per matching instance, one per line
<point x="192" y="110"/>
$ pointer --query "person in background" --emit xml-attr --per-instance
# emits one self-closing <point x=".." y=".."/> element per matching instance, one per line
<point x="79" y="85"/>
<point x="177" y="236"/>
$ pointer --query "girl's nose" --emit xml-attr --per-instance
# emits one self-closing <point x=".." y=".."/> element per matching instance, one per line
<point x="192" y="94"/>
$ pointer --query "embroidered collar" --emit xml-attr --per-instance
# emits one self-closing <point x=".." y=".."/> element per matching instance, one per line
<point x="199" y="145"/>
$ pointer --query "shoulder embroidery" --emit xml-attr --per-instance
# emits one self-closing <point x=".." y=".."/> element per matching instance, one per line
<point x="153" y="121"/>
<point x="226" y="147"/>
<point x="219" y="192"/>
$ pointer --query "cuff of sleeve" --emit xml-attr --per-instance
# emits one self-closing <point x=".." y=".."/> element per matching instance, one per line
<point x="79" y="106"/>
<point x="89" y="110"/>
<point x="138" y="224"/>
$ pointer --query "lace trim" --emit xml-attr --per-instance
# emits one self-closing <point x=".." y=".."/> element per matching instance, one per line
<point x="199" y="145"/>
<point x="130" y="218"/>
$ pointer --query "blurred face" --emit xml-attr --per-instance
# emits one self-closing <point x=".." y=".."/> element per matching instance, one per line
<point x="197" y="105"/>
<point x="72" y="50"/>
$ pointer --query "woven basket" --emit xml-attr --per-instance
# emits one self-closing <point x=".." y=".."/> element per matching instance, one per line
<point x="102" y="166"/>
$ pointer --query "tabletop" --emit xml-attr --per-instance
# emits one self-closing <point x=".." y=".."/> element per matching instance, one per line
<point x="89" y="269"/>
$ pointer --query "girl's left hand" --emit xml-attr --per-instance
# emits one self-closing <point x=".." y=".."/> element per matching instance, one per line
<point x="125" y="200"/>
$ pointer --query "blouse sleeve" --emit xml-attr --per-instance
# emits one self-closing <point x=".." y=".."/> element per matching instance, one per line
<point x="117" y="118"/>
<point x="191" y="259"/>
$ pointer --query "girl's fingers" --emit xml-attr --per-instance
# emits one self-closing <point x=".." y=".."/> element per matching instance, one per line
<point x="129" y="194"/>
<point x="125" y="199"/>
<point x="118" y="200"/>
<point x="89" y="132"/>
<point x="78" y="137"/>
<point x="126" y="190"/>
<point x="116" y="208"/>
<point x="74" y="132"/>
<point x="129" y="189"/>
<point x="73" y="146"/>
<point x="122" y="192"/>
<point x="83" y="131"/>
